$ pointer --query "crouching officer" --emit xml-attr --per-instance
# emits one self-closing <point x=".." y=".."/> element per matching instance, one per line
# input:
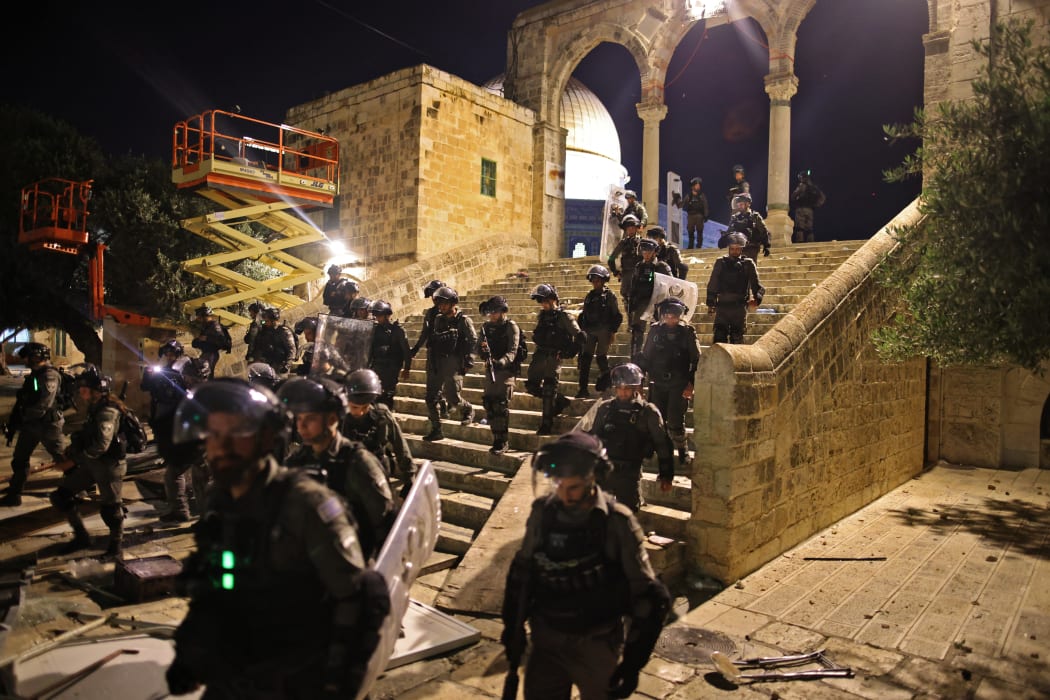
<point x="95" y="456"/>
<point x="272" y="540"/>
<point x="346" y="467"/>
<point x="581" y="570"/>
<point x="373" y="425"/>
<point x="36" y="418"/>
<point x="632" y="429"/>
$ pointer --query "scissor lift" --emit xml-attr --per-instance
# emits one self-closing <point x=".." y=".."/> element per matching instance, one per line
<point x="257" y="172"/>
<point x="54" y="217"/>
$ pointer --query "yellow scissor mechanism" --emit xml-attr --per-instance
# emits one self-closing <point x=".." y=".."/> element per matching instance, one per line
<point x="269" y="178"/>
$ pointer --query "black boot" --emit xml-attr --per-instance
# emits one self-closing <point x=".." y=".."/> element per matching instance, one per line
<point x="81" y="538"/>
<point x="14" y="490"/>
<point x="499" y="444"/>
<point x="116" y="542"/>
<point x="435" y="433"/>
<point x="468" y="414"/>
<point x="584" y="368"/>
<point x="561" y="402"/>
<point x="443" y="408"/>
<point x="547" y="421"/>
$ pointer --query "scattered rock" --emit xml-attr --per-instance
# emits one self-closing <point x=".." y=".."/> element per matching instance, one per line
<point x="868" y="617"/>
<point x="739" y="585"/>
<point x="991" y="487"/>
<point x="885" y="626"/>
<point x="1034" y="654"/>
<point x="966" y="674"/>
<point x="991" y="558"/>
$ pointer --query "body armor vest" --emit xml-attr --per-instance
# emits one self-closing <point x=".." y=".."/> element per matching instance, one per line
<point x="444" y="337"/>
<point x="549" y="333"/>
<point x="385" y="348"/>
<point x="597" y="313"/>
<point x="732" y="281"/>
<point x="625" y="440"/>
<point x="670" y="350"/>
<point x="497" y="335"/>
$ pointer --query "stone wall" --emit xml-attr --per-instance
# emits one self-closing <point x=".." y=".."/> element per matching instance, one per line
<point x="411" y="145"/>
<point x="805" y="426"/>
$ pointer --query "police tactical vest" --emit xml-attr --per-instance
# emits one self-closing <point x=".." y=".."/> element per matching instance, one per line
<point x="385" y="348"/>
<point x="550" y="333"/>
<point x="618" y="427"/>
<point x="498" y="337"/>
<point x="670" y="350"/>
<point x="733" y="279"/>
<point x="577" y="587"/>
<point x="445" y="336"/>
<point x="597" y="311"/>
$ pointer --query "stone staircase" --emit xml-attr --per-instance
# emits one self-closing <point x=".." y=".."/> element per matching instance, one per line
<point x="473" y="480"/>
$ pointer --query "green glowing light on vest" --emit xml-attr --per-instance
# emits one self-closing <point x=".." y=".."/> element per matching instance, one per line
<point x="228" y="562"/>
<point x="228" y="559"/>
<point x="227" y="582"/>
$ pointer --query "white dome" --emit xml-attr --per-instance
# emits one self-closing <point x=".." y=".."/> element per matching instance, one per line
<point x="592" y="145"/>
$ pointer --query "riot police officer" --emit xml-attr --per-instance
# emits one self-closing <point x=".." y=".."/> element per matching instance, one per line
<point x="95" y="456"/>
<point x="600" y="318"/>
<point x="274" y="540"/>
<point x="631" y="429"/>
<point x="450" y="353"/>
<point x="498" y="346"/>
<point x="806" y="197"/>
<point x="670" y="358"/>
<point x="360" y="308"/>
<point x="668" y="253"/>
<point x="581" y="569"/>
<point x="167" y="388"/>
<point x="345" y="466"/>
<point x="428" y="326"/>
<point x="556" y="336"/>
<point x="36" y="417"/>
<point x="275" y="345"/>
<point x="307" y="327"/>
<point x="642" y="291"/>
<point x="740" y="185"/>
<point x="749" y="223"/>
<point x="390" y="357"/>
<point x="628" y="254"/>
<point x="253" y="330"/>
<point x="211" y="337"/>
<point x="373" y="425"/>
<point x="697" y="212"/>
<point x="635" y="208"/>
<point x="329" y="297"/>
<point x="733" y="289"/>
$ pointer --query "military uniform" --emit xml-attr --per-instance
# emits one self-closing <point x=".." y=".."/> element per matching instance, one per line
<point x="380" y="433"/>
<point x="388" y="357"/>
<point x="637" y="210"/>
<point x="450" y="347"/>
<point x="349" y="469"/>
<point x="210" y="341"/>
<point x="249" y="341"/>
<point x="805" y="198"/>
<point x="669" y="254"/>
<point x="738" y="188"/>
<point x="167" y="388"/>
<point x="38" y="420"/>
<point x="585" y="571"/>
<point x="641" y="299"/>
<point x="670" y="358"/>
<point x="556" y="332"/>
<point x="733" y="282"/>
<point x="629" y="256"/>
<point x="500" y="371"/>
<point x="751" y="224"/>
<point x="99" y="459"/>
<point x="599" y="319"/>
<point x="697" y="213"/>
<point x="280" y="603"/>
<point x="275" y="345"/>
<point x="631" y="431"/>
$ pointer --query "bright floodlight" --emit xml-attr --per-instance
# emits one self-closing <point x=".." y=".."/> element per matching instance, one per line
<point x="698" y="9"/>
<point x="337" y="248"/>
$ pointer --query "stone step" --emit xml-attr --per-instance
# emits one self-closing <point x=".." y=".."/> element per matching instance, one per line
<point x="461" y="452"/>
<point x="476" y="480"/>
<point x="465" y="509"/>
<point x="453" y="539"/>
<point x="520" y="400"/>
<point x="661" y="520"/>
<point x="522" y="436"/>
<point x="439" y="561"/>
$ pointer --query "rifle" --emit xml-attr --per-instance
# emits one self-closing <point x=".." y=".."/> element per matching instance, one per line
<point x="516" y="639"/>
<point x="123" y="395"/>
<point x="488" y="355"/>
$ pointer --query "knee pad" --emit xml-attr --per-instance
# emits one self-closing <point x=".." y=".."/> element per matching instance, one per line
<point x="112" y="515"/>
<point x="63" y="499"/>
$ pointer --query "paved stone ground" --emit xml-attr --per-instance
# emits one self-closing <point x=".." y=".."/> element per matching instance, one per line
<point x="939" y="589"/>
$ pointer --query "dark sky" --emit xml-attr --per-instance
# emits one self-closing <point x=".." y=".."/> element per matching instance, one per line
<point x="124" y="73"/>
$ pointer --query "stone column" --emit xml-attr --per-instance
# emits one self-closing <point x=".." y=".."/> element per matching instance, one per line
<point x="651" y="114"/>
<point x="780" y="87"/>
<point x="548" y="213"/>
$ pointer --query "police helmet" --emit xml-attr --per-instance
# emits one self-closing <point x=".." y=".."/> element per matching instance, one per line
<point x="93" y="379"/>
<point x="672" y="306"/>
<point x="203" y="310"/>
<point x="628" y="374"/>
<point x="304" y="324"/>
<point x="348" y="287"/>
<point x="696" y="181"/>
<point x="257" y="404"/>
<point x="255" y="307"/>
<point x="363" y="386"/>
<point x="648" y="245"/>
<point x="736" y="239"/>
<point x="576" y="454"/>
<point x="171" y="346"/>
<point x="302" y="395"/>
<point x="630" y="194"/>
<point x="261" y="374"/>
<point x="446" y="295"/>
<point x="35" y="352"/>
<point x="494" y="305"/>
<point x="271" y="314"/>
<point x="804" y="175"/>
<point x="381" y="308"/>
<point x="657" y="232"/>
<point x="361" y="304"/>
<point x="544" y="292"/>
<point x="432" y="286"/>
<point x="334" y="268"/>
<point x="738" y="169"/>
<point x="741" y="198"/>
<point x="629" y="220"/>
<point x="598" y="271"/>
<point x="196" y="369"/>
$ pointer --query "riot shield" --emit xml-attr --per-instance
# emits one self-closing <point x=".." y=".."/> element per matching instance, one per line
<point x="674" y="208"/>
<point x="666" y="286"/>
<point x="342" y="345"/>
<point x="615" y="203"/>
<point x="586" y="421"/>
<point x="407" y="547"/>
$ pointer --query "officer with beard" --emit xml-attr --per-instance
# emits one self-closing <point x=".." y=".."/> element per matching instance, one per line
<point x="670" y="358"/>
<point x="281" y="605"/>
<point x="373" y="424"/>
<point x="581" y="570"/>
<point x="35" y="417"/>
<point x="732" y="290"/>
<point x="631" y="429"/>
<point x="497" y="346"/>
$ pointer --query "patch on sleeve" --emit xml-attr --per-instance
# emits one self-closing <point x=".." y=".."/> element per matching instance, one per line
<point x="330" y="509"/>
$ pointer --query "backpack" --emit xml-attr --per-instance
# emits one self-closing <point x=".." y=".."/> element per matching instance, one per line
<point x="227" y="341"/>
<point x="131" y="433"/>
<point x="67" y="390"/>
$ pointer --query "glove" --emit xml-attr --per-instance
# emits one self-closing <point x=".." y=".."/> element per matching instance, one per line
<point x="765" y="252"/>
<point x="180" y="678"/>
<point x="501" y="363"/>
<point x="622" y="683"/>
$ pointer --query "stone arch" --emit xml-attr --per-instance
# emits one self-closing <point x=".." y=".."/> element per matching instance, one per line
<point x="1025" y="397"/>
<point x="573" y="49"/>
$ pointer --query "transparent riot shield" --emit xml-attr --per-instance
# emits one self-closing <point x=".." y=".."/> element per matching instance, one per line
<point x="342" y="345"/>
<point x="674" y="208"/>
<point x="407" y="547"/>
<point x="615" y="203"/>
<point x="666" y="287"/>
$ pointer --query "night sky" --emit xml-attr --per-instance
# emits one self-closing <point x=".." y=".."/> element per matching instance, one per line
<point x="124" y="73"/>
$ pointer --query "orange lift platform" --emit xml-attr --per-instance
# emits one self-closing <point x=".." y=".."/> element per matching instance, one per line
<point x="256" y="171"/>
<point x="54" y="217"/>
